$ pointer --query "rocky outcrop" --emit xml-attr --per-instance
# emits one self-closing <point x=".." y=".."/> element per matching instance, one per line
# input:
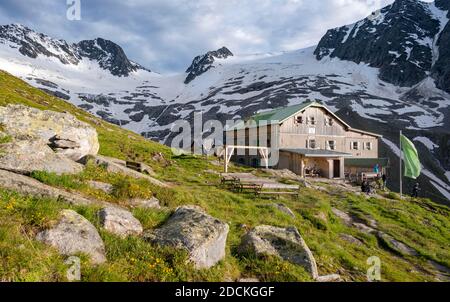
<point x="26" y="156"/>
<point x="30" y="186"/>
<point x="395" y="245"/>
<point x="119" y="222"/>
<point x="114" y="165"/>
<point x="74" y="234"/>
<point x="356" y="223"/>
<point x="286" y="243"/>
<point x="190" y="228"/>
<point x="61" y="131"/>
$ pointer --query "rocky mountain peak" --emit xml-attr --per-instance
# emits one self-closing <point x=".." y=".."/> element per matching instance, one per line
<point x="399" y="40"/>
<point x="203" y="63"/>
<point x="109" y="55"/>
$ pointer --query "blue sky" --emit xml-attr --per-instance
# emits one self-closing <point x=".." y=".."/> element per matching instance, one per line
<point x="165" y="35"/>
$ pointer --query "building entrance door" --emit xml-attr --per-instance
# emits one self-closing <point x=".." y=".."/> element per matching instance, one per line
<point x="336" y="168"/>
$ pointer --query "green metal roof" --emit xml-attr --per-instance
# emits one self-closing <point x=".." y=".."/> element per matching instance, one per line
<point x="367" y="162"/>
<point x="282" y="113"/>
<point x="274" y="116"/>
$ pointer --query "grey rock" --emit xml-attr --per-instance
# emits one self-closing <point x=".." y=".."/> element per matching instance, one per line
<point x="30" y="186"/>
<point x="26" y="156"/>
<point x="396" y="245"/>
<point x="119" y="222"/>
<point x="286" y="243"/>
<point x="346" y="218"/>
<point x="25" y="123"/>
<point x="363" y="228"/>
<point x="329" y="278"/>
<point x="75" y="234"/>
<point x="105" y="187"/>
<point x="350" y="239"/>
<point x="190" y="228"/>
<point x="152" y="203"/>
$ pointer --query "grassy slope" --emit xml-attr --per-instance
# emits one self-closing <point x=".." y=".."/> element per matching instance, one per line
<point x="420" y="224"/>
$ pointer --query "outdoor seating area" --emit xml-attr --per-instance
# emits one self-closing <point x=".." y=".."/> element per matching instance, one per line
<point x="247" y="182"/>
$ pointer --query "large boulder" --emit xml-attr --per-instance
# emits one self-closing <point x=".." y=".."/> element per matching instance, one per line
<point x="190" y="228"/>
<point x="26" y="156"/>
<point x="61" y="131"/>
<point x="119" y="222"/>
<point x="74" y="234"/>
<point x="286" y="243"/>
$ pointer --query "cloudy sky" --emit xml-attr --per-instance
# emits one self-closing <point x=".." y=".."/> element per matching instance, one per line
<point x="165" y="35"/>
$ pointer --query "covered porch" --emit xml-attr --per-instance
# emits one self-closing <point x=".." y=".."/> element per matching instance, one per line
<point x="314" y="162"/>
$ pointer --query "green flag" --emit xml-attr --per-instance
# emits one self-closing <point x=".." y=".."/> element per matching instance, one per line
<point x="411" y="158"/>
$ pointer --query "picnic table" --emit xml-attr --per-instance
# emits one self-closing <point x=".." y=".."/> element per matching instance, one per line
<point x="241" y="182"/>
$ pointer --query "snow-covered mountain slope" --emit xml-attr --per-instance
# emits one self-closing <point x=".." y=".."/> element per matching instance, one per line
<point x="356" y="70"/>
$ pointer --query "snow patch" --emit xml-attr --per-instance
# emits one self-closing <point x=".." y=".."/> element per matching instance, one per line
<point x="426" y="142"/>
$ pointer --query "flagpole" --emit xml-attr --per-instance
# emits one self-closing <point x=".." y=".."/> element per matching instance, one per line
<point x="401" y="151"/>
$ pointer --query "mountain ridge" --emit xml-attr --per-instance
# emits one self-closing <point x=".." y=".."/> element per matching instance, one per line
<point x="110" y="56"/>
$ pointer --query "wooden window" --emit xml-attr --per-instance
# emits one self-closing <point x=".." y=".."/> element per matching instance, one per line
<point x="331" y="145"/>
<point x="299" y="119"/>
<point x="312" y="144"/>
<point x="312" y="120"/>
<point x="328" y="121"/>
<point x="355" y="146"/>
<point x="369" y="146"/>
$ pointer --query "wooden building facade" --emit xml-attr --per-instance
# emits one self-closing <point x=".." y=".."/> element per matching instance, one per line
<point x="310" y="140"/>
